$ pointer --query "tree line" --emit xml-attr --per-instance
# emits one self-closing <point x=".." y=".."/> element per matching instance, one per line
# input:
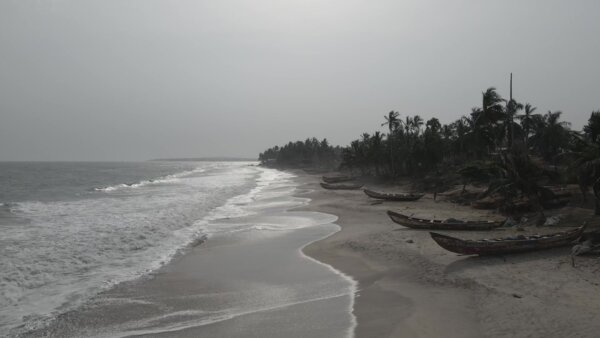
<point x="505" y="143"/>
<point x="311" y="153"/>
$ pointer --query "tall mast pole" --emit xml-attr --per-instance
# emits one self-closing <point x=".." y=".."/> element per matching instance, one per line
<point x="511" y="86"/>
<point x="511" y="106"/>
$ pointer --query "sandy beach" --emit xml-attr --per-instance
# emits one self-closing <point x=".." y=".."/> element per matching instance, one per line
<point x="291" y="269"/>
<point x="246" y="278"/>
<point x="411" y="287"/>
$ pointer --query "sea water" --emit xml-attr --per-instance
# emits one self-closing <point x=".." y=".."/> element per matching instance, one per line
<point x="69" y="231"/>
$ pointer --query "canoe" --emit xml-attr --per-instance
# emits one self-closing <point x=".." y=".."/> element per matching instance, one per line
<point x="337" y="179"/>
<point x="341" y="186"/>
<point x="507" y="245"/>
<point x="392" y="197"/>
<point x="449" y="224"/>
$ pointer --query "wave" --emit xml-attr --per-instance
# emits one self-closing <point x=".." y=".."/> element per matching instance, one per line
<point x="160" y="180"/>
<point x="8" y="207"/>
<point x="106" y="236"/>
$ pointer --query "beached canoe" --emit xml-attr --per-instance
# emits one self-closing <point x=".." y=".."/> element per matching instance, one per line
<point x="507" y="245"/>
<point x="341" y="186"/>
<point x="337" y="179"/>
<point x="449" y="224"/>
<point x="392" y="197"/>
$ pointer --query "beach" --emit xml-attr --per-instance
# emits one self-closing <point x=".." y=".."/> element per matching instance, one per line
<point x="411" y="287"/>
<point x="244" y="275"/>
<point x="290" y="259"/>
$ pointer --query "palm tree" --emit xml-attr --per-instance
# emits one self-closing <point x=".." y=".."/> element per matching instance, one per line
<point x="393" y="122"/>
<point x="592" y="129"/>
<point x="519" y="175"/>
<point x="491" y="109"/>
<point x="527" y="122"/>
<point x="490" y="114"/>
<point x="417" y="123"/>
<point x="433" y="145"/>
<point x="479" y="138"/>
<point x="408" y="125"/>
<point x="376" y="150"/>
<point x="512" y="107"/>
<point x="586" y="160"/>
<point x="551" y="135"/>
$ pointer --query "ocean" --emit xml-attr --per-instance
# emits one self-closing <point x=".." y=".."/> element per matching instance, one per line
<point x="73" y="231"/>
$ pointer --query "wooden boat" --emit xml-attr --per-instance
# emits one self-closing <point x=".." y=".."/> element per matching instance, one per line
<point x="449" y="224"/>
<point x="392" y="197"/>
<point x="337" y="179"/>
<point x="507" y="245"/>
<point x="341" y="186"/>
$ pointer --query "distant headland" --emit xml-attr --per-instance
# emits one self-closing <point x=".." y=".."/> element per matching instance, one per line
<point x="207" y="159"/>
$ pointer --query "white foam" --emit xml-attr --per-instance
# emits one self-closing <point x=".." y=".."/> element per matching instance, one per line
<point x="174" y="178"/>
<point x="71" y="250"/>
<point x="90" y="245"/>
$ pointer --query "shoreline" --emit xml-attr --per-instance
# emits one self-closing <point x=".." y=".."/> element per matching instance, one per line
<point x="410" y="287"/>
<point x="251" y="278"/>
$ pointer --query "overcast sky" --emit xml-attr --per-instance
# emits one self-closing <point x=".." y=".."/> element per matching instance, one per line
<point x="140" y="79"/>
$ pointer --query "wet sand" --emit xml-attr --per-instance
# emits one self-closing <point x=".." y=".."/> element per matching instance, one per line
<point x="257" y="286"/>
<point x="411" y="287"/>
<point x="249" y="279"/>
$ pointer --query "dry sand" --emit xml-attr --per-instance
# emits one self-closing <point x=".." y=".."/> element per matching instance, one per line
<point x="411" y="287"/>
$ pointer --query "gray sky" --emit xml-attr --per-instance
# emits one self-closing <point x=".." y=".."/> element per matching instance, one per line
<point x="139" y="79"/>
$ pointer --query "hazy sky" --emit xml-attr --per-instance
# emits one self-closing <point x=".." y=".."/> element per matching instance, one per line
<point x="139" y="79"/>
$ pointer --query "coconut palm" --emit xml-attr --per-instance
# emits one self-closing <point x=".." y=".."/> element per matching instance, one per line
<point x="376" y="151"/>
<point x="417" y="123"/>
<point x="527" y="123"/>
<point x="585" y="156"/>
<point x="520" y="176"/>
<point x="392" y="121"/>
<point x="512" y="107"/>
<point x="592" y="128"/>
<point x="491" y="107"/>
<point x="407" y="124"/>
<point x="551" y="135"/>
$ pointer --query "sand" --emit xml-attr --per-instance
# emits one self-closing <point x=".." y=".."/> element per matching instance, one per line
<point x="248" y="279"/>
<point x="263" y="286"/>
<point x="411" y="287"/>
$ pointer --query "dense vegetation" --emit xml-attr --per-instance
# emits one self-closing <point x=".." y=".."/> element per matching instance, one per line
<point x="504" y="143"/>
<point x="311" y="153"/>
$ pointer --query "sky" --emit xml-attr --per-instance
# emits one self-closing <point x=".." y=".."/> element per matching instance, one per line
<point x="141" y="79"/>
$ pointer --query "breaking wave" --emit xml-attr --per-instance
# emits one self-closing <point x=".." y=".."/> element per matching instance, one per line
<point x="174" y="178"/>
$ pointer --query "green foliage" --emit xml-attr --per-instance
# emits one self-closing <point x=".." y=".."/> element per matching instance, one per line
<point x="503" y="143"/>
<point x="310" y="153"/>
<point x="592" y="128"/>
<point x="551" y="136"/>
<point x="519" y="176"/>
<point x="479" y="171"/>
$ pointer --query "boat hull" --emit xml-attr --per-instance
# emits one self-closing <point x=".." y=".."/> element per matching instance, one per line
<point x="393" y="197"/>
<point x="419" y="223"/>
<point x="340" y="186"/>
<point x="506" y="246"/>
<point x="337" y="179"/>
